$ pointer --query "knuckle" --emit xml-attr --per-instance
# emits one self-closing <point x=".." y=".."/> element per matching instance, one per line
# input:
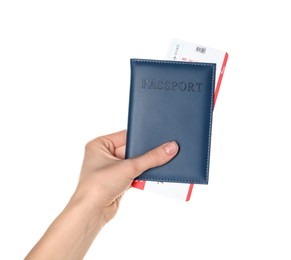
<point x="90" y="146"/>
<point x="133" y="166"/>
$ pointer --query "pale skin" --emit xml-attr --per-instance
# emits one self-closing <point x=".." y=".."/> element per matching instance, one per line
<point x="105" y="177"/>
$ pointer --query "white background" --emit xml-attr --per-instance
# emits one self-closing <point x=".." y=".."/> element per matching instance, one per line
<point x="64" y="79"/>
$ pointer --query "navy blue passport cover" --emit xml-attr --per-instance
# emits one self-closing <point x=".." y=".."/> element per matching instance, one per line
<point x="171" y="100"/>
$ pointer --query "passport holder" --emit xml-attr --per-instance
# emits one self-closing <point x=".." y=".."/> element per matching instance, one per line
<point x="171" y="100"/>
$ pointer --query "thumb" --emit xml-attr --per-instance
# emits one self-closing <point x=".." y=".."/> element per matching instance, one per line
<point x="153" y="158"/>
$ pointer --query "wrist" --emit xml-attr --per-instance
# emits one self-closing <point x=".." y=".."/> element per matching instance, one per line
<point x="86" y="206"/>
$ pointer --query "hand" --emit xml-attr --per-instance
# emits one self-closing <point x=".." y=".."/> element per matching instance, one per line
<point x="104" y="178"/>
<point x="105" y="175"/>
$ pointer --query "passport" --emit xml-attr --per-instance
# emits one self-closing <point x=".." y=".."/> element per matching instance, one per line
<point x="172" y="101"/>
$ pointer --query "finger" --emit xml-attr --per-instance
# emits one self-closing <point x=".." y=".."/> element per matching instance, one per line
<point x="153" y="158"/>
<point x="120" y="152"/>
<point x="118" y="139"/>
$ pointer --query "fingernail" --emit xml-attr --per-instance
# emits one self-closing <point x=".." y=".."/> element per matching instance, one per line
<point x="171" y="148"/>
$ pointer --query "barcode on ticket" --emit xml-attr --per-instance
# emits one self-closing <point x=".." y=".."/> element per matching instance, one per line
<point x="201" y="49"/>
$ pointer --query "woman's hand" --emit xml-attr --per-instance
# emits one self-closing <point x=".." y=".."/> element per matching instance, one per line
<point x="105" y="177"/>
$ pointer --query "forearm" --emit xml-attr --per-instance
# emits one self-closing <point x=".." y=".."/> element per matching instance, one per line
<point x="72" y="232"/>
